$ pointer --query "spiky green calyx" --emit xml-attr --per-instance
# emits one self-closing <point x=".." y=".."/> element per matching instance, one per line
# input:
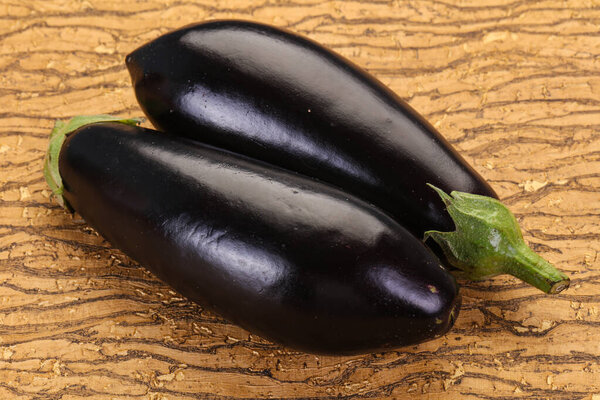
<point x="488" y="242"/>
<point x="57" y="138"/>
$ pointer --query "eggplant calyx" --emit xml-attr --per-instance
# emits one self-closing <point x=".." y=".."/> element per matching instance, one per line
<point x="57" y="138"/>
<point x="488" y="242"/>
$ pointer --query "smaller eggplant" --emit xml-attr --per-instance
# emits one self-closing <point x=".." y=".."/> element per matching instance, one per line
<point x="278" y="97"/>
<point x="284" y="256"/>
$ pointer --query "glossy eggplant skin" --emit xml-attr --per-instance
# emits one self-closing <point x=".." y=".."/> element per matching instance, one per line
<point x="278" y="97"/>
<point x="284" y="256"/>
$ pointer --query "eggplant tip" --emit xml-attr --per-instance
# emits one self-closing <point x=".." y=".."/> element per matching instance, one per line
<point x="559" y="286"/>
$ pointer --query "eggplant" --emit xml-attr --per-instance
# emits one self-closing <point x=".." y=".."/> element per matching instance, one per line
<point x="281" y="98"/>
<point x="284" y="256"/>
<point x="278" y="97"/>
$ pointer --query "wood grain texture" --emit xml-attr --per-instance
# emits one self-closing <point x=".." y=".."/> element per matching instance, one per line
<point x="514" y="85"/>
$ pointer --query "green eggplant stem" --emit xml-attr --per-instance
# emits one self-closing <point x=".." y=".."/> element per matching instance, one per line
<point x="488" y="242"/>
<point x="57" y="138"/>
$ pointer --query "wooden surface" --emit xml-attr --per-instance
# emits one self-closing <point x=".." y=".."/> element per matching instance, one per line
<point x="515" y="85"/>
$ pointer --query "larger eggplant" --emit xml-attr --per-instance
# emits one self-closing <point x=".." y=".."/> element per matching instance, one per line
<point x="281" y="98"/>
<point x="284" y="256"/>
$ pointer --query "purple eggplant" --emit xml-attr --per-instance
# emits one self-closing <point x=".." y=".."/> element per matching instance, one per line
<point x="278" y="97"/>
<point x="284" y="256"/>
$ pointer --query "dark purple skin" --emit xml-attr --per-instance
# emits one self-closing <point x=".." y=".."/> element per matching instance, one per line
<point x="281" y="98"/>
<point x="284" y="256"/>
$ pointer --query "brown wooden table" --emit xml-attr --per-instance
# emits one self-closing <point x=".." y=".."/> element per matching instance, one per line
<point x="514" y="85"/>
